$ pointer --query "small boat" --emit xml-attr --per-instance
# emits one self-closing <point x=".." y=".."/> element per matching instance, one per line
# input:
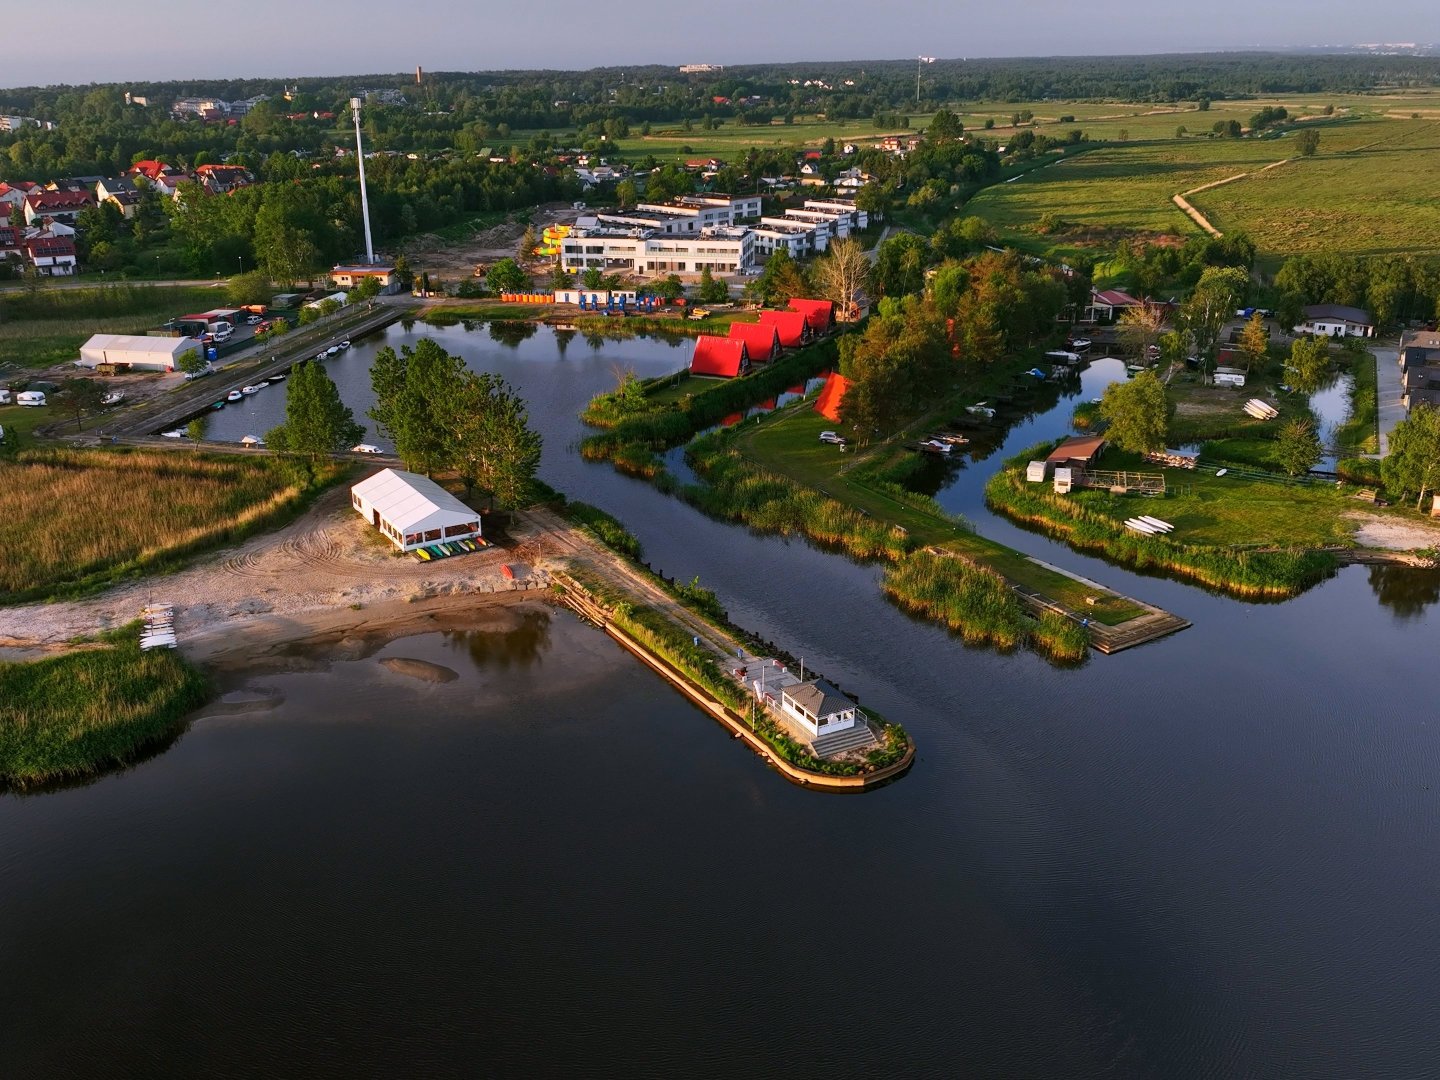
<point x="364" y="448"/>
<point x="1221" y="472"/>
<point x="217" y="406"/>
<point x="934" y="446"/>
<point x="248" y="390"/>
<point x="1136" y="525"/>
<point x="114" y="397"/>
<point x="251" y="440"/>
<point x="345" y="344"/>
<point x="980" y="408"/>
<point x="234" y="395"/>
<point x="422" y="555"/>
<point x="333" y="350"/>
<point x="953" y="440"/>
<point x="178" y="433"/>
<point x="278" y="378"/>
<point x="1080" y="344"/>
<point x="1036" y="372"/>
<point x="321" y="356"/>
<point x="1163" y="526"/>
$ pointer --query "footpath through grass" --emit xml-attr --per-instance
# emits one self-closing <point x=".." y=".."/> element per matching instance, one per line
<point x="77" y="714"/>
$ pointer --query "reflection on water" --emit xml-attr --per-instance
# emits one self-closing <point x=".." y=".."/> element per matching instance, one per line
<point x="512" y="332"/>
<point x="518" y="648"/>
<point x="1405" y="590"/>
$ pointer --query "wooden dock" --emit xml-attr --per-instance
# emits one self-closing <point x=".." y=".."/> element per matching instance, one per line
<point x="1154" y="624"/>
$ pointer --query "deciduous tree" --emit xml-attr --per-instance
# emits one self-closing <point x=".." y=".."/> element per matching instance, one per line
<point x="1255" y="343"/>
<point x="1137" y="412"/>
<point x="317" y="422"/>
<point x="1309" y="361"/>
<point x="80" y="397"/>
<point x="842" y="276"/>
<point x="1413" y="465"/>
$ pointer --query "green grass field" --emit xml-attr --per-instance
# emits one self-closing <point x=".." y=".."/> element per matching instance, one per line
<point x="49" y="326"/>
<point x="1368" y="191"/>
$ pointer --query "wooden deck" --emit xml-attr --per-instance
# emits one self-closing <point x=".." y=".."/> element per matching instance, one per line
<point x="1154" y="624"/>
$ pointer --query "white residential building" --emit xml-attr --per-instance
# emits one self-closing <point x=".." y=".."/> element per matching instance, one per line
<point x="859" y="219"/>
<point x="641" y="250"/>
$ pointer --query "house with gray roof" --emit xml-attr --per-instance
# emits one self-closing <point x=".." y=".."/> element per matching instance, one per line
<point x="1336" y="320"/>
<point x="818" y="707"/>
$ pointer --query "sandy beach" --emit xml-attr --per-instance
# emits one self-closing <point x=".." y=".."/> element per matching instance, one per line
<point x="326" y="574"/>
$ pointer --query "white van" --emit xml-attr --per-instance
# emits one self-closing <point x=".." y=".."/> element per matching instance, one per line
<point x="30" y="397"/>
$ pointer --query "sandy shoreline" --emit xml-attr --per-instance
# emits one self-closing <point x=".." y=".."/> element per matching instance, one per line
<point x="326" y="574"/>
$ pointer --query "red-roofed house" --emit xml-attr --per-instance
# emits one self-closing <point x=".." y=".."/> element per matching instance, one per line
<point x="819" y="314"/>
<point x="790" y="325"/>
<point x="14" y="194"/>
<point x="64" y="206"/>
<point x="151" y="169"/>
<point x="1106" y="304"/>
<point x="831" y="394"/>
<point x="762" y="343"/>
<point x="725" y="357"/>
<point x="53" y="256"/>
<point x="10" y="245"/>
<point x="223" y="179"/>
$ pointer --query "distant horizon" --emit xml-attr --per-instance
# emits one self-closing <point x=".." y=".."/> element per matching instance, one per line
<point x="278" y="40"/>
<point x="1417" y="49"/>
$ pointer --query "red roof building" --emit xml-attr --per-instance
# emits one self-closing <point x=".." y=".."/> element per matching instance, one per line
<point x="151" y="169"/>
<point x="762" y="343"/>
<point x="61" y="206"/>
<point x="831" y="394"/>
<point x="789" y="325"/>
<point x="725" y="357"/>
<point x="819" y="314"/>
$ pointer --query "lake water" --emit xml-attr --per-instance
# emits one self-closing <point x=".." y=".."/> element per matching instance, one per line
<point x="1213" y="856"/>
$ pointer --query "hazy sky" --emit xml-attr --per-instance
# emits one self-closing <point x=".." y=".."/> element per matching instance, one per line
<point x="106" y="41"/>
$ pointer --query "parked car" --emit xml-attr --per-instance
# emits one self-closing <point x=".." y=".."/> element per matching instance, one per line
<point x="832" y="437"/>
<point x="252" y="320"/>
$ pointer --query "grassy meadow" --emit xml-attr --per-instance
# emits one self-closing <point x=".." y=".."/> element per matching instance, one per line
<point x="77" y="520"/>
<point x="48" y="326"/>
<point x="1368" y="191"/>
<point x="73" y="715"/>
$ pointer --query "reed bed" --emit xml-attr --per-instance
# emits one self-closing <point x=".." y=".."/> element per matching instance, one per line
<point x="736" y="489"/>
<point x="74" y="715"/>
<point x="78" y="519"/>
<point x="976" y="603"/>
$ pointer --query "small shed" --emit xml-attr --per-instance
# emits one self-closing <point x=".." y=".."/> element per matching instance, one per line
<point x="1064" y="480"/>
<point x="412" y="510"/>
<point x="1078" y="451"/>
<point x="713" y="355"/>
<point x="1036" y="471"/>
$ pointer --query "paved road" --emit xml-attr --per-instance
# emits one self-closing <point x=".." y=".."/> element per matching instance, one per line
<point x="1388" y="393"/>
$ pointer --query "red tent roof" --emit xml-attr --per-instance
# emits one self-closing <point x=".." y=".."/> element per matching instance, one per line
<point x="833" y="392"/>
<point x="790" y="325"/>
<point x="819" y="314"/>
<point x="719" y="356"/>
<point x="761" y="341"/>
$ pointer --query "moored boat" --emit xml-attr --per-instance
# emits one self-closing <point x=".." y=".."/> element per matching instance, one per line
<point x="234" y="395"/>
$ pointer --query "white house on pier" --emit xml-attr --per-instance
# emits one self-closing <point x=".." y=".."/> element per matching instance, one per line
<point x="818" y="707"/>
<point x="413" y="510"/>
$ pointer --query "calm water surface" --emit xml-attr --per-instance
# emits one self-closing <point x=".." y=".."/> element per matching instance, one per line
<point x="1214" y="856"/>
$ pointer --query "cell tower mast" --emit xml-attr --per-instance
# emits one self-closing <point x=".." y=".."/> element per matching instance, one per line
<point x="355" y="104"/>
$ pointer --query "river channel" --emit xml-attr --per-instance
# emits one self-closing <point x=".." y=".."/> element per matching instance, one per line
<point x="1211" y="856"/>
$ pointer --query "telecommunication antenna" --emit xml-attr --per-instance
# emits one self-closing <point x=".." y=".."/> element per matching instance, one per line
<point x="355" y="104"/>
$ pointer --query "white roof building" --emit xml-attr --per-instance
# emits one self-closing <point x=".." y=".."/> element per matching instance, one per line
<point x="413" y="510"/>
<point x="135" y="352"/>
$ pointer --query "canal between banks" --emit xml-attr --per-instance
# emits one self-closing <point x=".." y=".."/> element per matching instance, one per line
<point x="1212" y="856"/>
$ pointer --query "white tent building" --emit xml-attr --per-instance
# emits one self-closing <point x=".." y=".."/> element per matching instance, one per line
<point x="135" y="352"/>
<point x="413" y="510"/>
